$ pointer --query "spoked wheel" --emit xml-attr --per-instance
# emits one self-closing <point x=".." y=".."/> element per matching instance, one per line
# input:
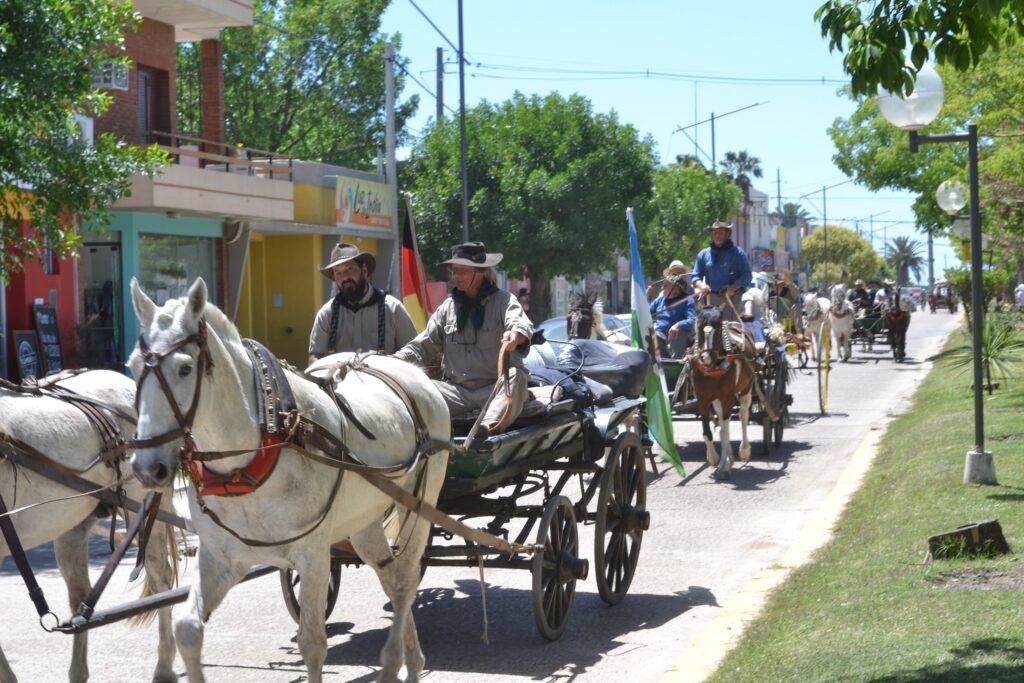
<point x="556" y="567"/>
<point x="824" y="366"/>
<point x="766" y="420"/>
<point x="290" y="583"/>
<point x="622" y="517"/>
<point x="778" y="399"/>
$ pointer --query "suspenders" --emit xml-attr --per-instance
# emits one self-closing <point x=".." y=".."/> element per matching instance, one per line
<point x="332" y="337"/>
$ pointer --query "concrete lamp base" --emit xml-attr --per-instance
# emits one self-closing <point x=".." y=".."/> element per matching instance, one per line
<point x="980" y="468"/>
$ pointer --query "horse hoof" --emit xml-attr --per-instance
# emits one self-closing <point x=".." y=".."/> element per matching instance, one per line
<point x="720" y="476"/>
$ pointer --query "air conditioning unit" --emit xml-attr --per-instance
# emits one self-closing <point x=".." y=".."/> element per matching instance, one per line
<point x="85" y="126"/>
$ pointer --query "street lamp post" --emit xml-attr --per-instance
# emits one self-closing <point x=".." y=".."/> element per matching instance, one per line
<point x="913" y="113"/>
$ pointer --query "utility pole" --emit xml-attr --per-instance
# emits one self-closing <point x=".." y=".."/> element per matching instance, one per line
<point x="931" y="263"/>
<point x="394" y="282"/>
<point x="440" y="85"/>
<point x="462" y="132"/>
<point x="778" y="189"/>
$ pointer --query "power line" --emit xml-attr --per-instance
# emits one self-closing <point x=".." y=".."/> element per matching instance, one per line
<point x="439" y="31"/>
<point x="655" y="74"/>
<point x="425" y="88"/>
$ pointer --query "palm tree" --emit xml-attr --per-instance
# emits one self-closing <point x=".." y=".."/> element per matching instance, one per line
<point x="791" y="215"/>
<point x="738" y="165"/>
<point x="904" y="255"/>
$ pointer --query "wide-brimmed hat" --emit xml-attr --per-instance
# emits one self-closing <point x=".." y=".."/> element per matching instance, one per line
<point x="720" y="224"/>
<point x="677" y="267"/>
<point x="888" y="283"/>
<point x="859" y="282"/>
<point x="472" y="254"/>
<point x="343" y="253"/>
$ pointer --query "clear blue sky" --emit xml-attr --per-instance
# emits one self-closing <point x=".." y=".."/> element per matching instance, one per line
<point x="686" y="60"/>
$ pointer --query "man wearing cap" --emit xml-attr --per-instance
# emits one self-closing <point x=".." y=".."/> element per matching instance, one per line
<point x="359" y="317"/>
<point x="722" y="270"/>
<point x="469" y="328"/>
<point x="673" y="312"/>
<point x="882" y="295"/>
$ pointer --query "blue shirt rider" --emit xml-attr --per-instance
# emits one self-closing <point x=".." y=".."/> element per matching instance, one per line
<point x="673" y="312"/>
<point x="722" y="270"/>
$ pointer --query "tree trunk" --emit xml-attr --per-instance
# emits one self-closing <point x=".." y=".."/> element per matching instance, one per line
<point x="540" y="297"/>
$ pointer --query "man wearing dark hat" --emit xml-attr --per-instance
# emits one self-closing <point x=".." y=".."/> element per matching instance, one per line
<point x="722" y="270"/>
<point x="469" y="328"/>
<point x="859" y="296"/>
<point x="359" y="317"/>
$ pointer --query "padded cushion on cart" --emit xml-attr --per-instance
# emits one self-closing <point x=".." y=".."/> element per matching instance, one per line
<point x="622" y="368"/>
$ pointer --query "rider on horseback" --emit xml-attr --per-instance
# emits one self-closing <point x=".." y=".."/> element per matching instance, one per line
<point x="674" y="312"/>
<point x="722" y="270"/>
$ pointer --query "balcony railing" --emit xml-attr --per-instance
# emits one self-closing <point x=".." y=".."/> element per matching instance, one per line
<point x="219" y="156"/>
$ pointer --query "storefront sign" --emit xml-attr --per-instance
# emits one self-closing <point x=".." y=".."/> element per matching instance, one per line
<point x="49" y="338"/>
<point x="762" y="259"/>
<point x="362" y="204"/>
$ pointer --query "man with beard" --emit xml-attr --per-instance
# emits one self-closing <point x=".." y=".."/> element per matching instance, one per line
<point x="722" y="271"/>
<point x="359" y="317"/>
<point x="469" y="329"/>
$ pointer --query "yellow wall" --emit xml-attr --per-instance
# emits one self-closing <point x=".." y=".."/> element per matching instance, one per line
<point x="282" y="288"/>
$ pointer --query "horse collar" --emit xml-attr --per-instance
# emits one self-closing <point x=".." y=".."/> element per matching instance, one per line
<point x="239" y="481"/>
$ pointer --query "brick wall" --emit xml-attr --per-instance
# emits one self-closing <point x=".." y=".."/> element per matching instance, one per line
<point x="152" y="48"/>
<point x="211" y="83"/>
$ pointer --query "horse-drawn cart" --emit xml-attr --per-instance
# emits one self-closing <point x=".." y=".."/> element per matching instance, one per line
<point x="517" y="484"/>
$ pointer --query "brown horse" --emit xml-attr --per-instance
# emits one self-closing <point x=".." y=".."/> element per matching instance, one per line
<point x="723" y="372"/>
<point x="579" y="323"/>
<point x="897" y="319"/>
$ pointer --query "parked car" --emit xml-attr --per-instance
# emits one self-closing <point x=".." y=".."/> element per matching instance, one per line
<point x="916" y="295"/>
<point x="554" y="328"/>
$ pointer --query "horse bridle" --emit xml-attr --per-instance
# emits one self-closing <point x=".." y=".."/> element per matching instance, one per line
<point x="153" y="363"/>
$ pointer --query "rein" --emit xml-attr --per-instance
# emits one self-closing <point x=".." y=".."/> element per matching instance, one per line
<point x="282" y="426"/>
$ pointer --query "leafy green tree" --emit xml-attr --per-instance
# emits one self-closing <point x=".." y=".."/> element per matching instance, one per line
<point x="879" y="36"/>
<point x="686" y="200"/>
<point x="48" y="174"/>
<point x="306" y="80"/>
<point x="904" y="256"/>
<point x="846" y="256"/>
<point x="549" y="184"/>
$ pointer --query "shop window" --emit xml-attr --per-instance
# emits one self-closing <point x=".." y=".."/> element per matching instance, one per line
<point x="169" y="264"/>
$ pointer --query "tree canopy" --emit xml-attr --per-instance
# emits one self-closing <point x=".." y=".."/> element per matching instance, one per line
<point x="848" y="256"/>
<point x="305" y="80"/>
<point x="687" y="199"/>
<point x="904" y="256"/>
<point x="48" y="172"/>
<point x="881" y="36"/>
<point x="549" y="184"/>
<point x="878" y="156"/>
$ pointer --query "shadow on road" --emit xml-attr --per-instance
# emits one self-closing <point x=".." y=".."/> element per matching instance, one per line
<point x="450" y="623"/>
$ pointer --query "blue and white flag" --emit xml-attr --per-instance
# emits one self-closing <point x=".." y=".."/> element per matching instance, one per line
<point x="659" y="413"/>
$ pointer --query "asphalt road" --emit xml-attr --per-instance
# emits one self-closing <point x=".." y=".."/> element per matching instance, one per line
<point x="707" y="540"/>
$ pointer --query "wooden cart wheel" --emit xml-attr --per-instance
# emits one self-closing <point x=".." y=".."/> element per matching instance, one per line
<point x="778" y="400"/>
<point x="621" y="519"/>
<point x="824" y="366"/>
<point x="290" y="583"/>
<point x="556" y="567"/>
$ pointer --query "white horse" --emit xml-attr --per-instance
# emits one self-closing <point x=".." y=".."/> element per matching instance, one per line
<point x="62" y="433"/>
<point x="816" y="310"/>
<point x="195" y="377"/>
<point x="840" y="319"/>
<point x="602" y="332"/>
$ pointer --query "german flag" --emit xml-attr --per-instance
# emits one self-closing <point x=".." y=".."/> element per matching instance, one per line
<point x="414" y="285"/>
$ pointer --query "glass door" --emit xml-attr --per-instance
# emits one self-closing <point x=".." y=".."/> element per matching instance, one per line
<point x="102" y="323"/>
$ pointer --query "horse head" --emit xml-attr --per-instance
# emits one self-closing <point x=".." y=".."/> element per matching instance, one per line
<point x="173" y="362"/>
<point x="838" y="296"/>
<point x="579" y="323"/>
<point x="710" y="340"/>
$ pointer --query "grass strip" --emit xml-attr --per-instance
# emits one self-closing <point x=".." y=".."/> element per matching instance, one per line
<point x="868" y="607"/>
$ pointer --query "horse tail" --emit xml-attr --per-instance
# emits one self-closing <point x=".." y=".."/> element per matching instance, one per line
<point x="148" y="589"/>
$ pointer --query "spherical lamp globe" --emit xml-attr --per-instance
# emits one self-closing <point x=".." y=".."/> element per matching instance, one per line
<point x="951" y="196"/>
<point x="920" y="108"/>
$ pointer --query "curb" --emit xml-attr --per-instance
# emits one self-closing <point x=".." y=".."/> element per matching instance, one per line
<point x="708" y="649"/>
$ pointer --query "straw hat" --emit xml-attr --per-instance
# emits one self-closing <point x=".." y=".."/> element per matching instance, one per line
<point x="720" y="224"/>
<point x="677" y="267"/>
<point x="343" y="253"/>
<point x="472" y="254"/>
<point x="888" y="283"/>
